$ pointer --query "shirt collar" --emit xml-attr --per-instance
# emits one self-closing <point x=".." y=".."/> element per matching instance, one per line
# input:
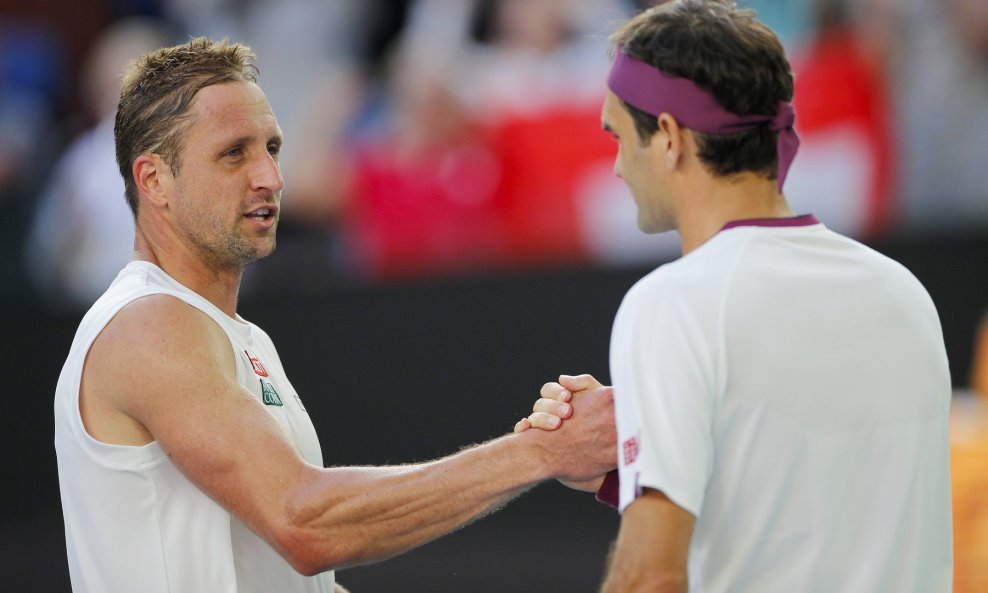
<point x="802" y="220"/>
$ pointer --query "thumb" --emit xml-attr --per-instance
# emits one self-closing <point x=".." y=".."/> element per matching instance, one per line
<point x="578" y="382"/>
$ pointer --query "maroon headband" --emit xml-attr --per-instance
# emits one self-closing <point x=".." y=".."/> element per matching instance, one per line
<point x="649" y="89"/>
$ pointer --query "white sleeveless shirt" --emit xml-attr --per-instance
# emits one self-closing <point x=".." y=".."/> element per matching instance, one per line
<point x="133" y="522"/>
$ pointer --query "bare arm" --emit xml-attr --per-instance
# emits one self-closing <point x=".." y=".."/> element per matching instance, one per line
<point x="652" y="547"/>
<point x="162" y="370"/>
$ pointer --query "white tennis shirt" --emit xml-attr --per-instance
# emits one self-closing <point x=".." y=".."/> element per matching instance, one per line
<point x="133" y="522"/>
<point x="789" y="387"/>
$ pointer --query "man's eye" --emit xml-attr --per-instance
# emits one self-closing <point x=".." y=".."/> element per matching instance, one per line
<point x="274" y="149"/>
<point x="234" y="152"/>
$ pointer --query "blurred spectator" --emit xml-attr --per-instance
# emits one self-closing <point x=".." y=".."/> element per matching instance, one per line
<point x="535" y="56"/>
<point x="794" y="21"/>
<point x="82" y="234"/>
<point x="939" y="67"/>
<point x="969" y="471"/>
<point x="415" y="194"/>
<point x="310" y="55"/>
<point x="979" y="364"/>
<point x="31" y="89"/>
<point x="302" y="46"/>
<point x="844" y="171"/>
<point x="506" y="93"/>
<point x="536" y="78"/>
<point x="484" y="153"/>
<point x="969" y="482"/>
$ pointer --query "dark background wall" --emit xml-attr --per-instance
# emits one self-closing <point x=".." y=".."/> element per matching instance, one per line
<point x="405" y="373"/>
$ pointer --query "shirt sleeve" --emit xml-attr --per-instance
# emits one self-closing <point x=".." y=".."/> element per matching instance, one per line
<point x="609" y="489"/>
<point x="663" y="366"/>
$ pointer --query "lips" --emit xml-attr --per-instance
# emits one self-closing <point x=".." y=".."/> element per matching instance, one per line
<point x="262" y="212"/>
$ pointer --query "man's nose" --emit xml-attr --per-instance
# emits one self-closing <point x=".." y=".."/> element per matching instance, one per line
<point x="267" y="175"/>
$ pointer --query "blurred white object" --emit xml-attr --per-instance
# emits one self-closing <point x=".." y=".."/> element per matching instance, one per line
<point x="83" y="232"/>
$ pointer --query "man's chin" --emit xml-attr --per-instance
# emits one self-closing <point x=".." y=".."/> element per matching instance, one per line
<point x="256" y="252"/>
<point x="265" y="251"/>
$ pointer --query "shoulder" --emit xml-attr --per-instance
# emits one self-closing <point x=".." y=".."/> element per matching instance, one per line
<point x="158" y="334"/>
<point x="890" y="273"/>
<point x="155" y="352"/>
<point x="695" y="277"/>
<point x="152" y="317"/>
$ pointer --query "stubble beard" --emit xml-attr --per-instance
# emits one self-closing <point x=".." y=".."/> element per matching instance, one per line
<point x="225" y="247"/>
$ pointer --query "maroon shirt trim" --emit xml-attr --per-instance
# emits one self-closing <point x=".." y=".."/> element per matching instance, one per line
<point x="610" y="490"/>
<point x="802" y="220"/>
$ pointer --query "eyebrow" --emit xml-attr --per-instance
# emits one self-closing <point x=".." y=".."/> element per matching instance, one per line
<point x="247" y="138"/>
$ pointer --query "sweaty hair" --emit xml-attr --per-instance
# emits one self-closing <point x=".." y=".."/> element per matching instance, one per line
<point x="158" y="90"/>
<point x="726" y="51"/>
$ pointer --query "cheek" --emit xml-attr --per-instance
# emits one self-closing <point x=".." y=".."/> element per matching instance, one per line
<point x="206" y="189"/>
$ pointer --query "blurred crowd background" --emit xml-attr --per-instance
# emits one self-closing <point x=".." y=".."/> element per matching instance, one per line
<point x="457" y="139"/>
<point x="440" y="138"/>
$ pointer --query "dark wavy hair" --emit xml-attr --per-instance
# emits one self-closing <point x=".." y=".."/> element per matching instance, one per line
<point x="724" y="50"/>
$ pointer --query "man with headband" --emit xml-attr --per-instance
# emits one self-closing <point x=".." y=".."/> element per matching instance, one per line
<point x="781" y="391"/>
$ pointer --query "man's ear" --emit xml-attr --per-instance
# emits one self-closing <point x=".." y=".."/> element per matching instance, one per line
<point x="670" y="140"/>
<point x="153" y="179"/>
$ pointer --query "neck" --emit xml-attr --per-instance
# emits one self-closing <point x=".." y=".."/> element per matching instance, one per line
<point x="712" y="202"/>
<point x="220" y="287"/>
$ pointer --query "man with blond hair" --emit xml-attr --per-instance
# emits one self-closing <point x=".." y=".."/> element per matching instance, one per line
<point x="186" y="460"/>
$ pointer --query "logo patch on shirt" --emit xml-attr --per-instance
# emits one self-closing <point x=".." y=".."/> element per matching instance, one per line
<point x="269" y="395"/>
<point x="256" y="363"/>
<point x="630" y="449"/>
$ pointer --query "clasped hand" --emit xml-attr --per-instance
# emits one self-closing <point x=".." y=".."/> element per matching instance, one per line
<point x="555" y="406"/>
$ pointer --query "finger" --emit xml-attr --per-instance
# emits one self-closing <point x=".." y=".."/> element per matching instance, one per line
<point x="605" y="393"/>
<point x="578" y="382"/>
<point x="544" y="421"/>
<point x="522" y="425"/>
<point x="561" y="410"/>
<point x="555" y="391"/>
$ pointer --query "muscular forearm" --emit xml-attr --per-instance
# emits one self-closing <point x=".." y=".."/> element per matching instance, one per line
<point x="345" y="516"/>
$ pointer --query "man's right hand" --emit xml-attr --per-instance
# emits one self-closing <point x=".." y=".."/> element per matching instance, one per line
<point x="555" y="407"/>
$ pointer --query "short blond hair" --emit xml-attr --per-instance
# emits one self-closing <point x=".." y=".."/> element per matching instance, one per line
<point x="157" y="93"/>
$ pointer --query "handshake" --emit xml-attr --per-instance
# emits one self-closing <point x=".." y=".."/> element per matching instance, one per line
<point x="578" y="404"/>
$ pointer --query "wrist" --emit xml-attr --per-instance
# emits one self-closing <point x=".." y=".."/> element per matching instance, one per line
<point x="534" y="456"/>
